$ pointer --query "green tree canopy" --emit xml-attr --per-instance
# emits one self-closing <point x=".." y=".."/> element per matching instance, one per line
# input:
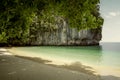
<point x="16" y="16"/>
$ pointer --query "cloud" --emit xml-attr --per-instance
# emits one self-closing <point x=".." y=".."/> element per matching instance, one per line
<point x="114" y="14"/>
<point x="107" y="16"/>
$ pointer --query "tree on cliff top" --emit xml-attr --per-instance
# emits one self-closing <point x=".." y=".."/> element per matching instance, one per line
<point x="16" y="16"/>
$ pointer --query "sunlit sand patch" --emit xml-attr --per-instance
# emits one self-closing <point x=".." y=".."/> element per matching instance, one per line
<point x="24" y="69"/>
<point x="5" y="53"/>
<point x="11" y="73"/>
<point x="3" y="50"/>
<point x="107" y="70"/>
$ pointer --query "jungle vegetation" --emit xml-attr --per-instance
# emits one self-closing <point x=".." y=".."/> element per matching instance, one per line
<point x="17" y="17"/>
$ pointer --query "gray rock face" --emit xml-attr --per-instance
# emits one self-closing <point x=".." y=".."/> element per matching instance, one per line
<point x="64" y="35"/>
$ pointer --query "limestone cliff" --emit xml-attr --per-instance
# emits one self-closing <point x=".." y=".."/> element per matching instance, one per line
<point x="65" y="35"/>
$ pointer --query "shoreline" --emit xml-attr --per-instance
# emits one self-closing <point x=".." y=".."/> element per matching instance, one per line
<point x="98" y="69"/>
<point x="75" y="67"/>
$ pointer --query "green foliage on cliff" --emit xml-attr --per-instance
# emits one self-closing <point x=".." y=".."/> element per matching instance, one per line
<point x="15" y="20"/>
<point x="81" y="14"/>
<point x="19" y="17"/>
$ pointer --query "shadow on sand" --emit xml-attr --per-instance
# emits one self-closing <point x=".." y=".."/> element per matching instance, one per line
<point x="76" y="66"/>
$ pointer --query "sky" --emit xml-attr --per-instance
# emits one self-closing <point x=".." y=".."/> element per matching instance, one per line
<point x="110" y="11"/>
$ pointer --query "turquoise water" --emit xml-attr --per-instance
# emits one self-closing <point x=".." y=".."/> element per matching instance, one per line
<point x="107" y="54"/>
<point x="86" y="54"/>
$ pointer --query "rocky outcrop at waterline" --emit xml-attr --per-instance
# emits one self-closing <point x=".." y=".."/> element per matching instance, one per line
<point x="68" y="37"/>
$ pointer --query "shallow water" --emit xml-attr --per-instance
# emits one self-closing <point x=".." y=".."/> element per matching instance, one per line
<point x="104" y="58"/>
